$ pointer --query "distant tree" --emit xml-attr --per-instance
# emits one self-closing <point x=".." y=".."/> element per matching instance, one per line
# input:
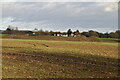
<point x="100" y="35"/>
<point x="12" y="28"/>
<point x="114" y="35"/>
<point x="86" y="34"/>
<point x="77" y="31"/>
<point x="51" y="33"/>
<point x="93" y="33"/>
<point x="69" y="32"/>
<point x="9" y="28"/>
<point x="41" y="30"/>
<point x="118" y="33"/>
<point x="106" y="35"/>
<point x="35" y="29"/>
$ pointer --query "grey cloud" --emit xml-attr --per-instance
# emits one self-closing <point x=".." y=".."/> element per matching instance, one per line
<point x="62" y="15"/>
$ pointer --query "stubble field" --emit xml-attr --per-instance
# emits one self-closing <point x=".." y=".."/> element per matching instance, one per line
<point x="23" y="58"/>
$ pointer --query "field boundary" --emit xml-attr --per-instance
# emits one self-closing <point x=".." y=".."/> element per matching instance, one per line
<point x="67" y="42"/>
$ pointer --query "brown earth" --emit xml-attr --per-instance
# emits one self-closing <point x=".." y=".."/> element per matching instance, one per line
<point x="24" y="59"/>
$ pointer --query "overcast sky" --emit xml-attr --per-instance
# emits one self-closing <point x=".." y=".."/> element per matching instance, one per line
<point x="60" y="16"/>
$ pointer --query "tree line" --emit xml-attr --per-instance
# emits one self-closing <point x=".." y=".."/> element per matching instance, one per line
<point x="69" y="33"/>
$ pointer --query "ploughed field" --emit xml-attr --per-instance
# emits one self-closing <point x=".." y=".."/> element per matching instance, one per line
<point x="23" y="58"/>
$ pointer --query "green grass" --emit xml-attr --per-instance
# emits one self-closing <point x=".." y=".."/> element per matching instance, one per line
<point x="3" y="34"/>
<point x="69" y="42"/>
<point x="110" y="38"/>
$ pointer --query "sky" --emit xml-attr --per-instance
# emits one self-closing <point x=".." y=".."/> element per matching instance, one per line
<point x="60" y="16"/>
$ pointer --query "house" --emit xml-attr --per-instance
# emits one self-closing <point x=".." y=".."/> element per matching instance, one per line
<point x="64" y="34"/>
<point x="76" y="34"/>
<point x="57" y="33"/>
